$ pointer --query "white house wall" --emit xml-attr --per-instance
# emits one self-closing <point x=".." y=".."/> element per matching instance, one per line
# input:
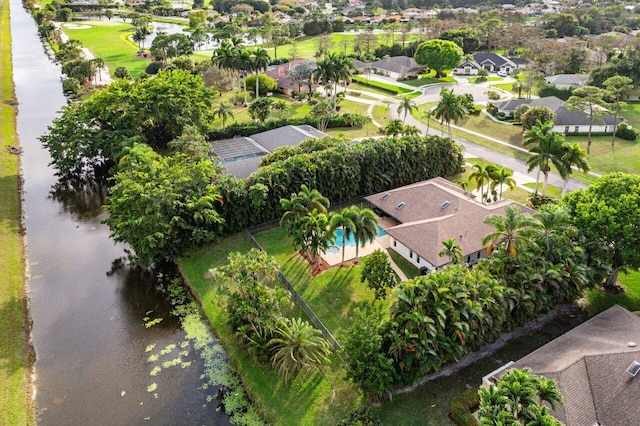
<point x="409" y="255"/>
<point x="582" y="129"/>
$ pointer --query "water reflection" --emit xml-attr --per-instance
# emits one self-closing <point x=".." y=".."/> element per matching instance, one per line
<point x="83" y="199"/>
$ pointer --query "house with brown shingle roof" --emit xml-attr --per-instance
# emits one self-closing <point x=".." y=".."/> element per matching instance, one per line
<point x="590" y="365"/>
<point x="426" y="213"/>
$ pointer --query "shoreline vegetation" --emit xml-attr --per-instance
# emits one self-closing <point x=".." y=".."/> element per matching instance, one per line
<point x="15" y="360"/>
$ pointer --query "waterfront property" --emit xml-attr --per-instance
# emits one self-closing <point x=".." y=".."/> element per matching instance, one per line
<point x="420" y="216"/>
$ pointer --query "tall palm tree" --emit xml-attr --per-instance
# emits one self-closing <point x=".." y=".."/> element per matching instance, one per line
<point x="261" y="60"/>
<point x="366" y="227"/>
<point x="407" y="105"/>
<point x="514" y="230"/>
<point x="481" y="177"/>
<point x="573" y="156"/>
<point x="452" y="250"/>
<point x="316" y="234"/>
<point x="548" y="152"/>
<point x="428" y="114"/>
<point x="533" y="136"/>
<point x="226" y="57"/>
<point x="409" y="130"/>
<point x="345" y="221"/>
<point x="501" y="178"/>
<point x="245" y="64"/>
<point x="297" y="346"/>
<point x="449" y="108"/>
<point x="223" y="111"/>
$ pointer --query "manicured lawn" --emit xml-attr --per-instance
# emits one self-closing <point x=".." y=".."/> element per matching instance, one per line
<point x="355" y="86"/>
<point x="429" y="79"/>
<point x="333" y="294"/>
<point x="597" y="300"/>
<point x="381" y="115"/>
<point x="109" y="40"/>
<point x="241" y="114"/>
<point x="552" y="191"/>
<point x="623" y="157"/>
<point x="306" y="47"/>
<point x="391" y="88"/>
<point x="321" y="399"/>
<point x="15" y="400"/>
<point x="407" y="267"/>
<point x="474" y="80"/>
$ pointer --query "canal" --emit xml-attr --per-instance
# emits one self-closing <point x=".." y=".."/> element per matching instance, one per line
<point x="108" y="350"/>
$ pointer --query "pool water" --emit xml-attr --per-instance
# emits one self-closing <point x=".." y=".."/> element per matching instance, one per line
<point x="350" y="242"/>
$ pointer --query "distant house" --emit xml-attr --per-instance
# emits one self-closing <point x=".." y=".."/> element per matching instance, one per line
<point x="398" y="67"/>
<point x="424" y="214"/>
<point x="491" y="62"/>
<point x="595" y="366"/>
<point x="241" y="156"/>
<point x="566" y="121"/>
<point x="412" y="13"/>
<point x="280" y="73"/>
<point x="567" y="81"/>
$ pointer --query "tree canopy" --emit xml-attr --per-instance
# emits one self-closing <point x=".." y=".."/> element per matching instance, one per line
<point x="439" y="55"/>
<point x="608" y="213"/>
<point x="154" y="111"/>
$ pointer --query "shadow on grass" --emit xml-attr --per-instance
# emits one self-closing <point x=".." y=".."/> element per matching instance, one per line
<point x="14" y="353"/>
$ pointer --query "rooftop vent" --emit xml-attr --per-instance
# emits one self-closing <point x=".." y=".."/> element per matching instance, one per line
<point x="401" y="205"/>
<point x="634" y="368"/>
<point x="385" y="196"/>
<point x="445" y="204"/>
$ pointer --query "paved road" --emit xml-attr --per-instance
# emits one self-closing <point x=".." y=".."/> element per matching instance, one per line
<point x="432" y="94"/>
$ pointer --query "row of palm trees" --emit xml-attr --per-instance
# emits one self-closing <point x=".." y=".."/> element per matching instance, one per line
<point x="331" y="71"/>
<point x="312" y="227"/>
<point x="237" y="60"/>
<point x="495" y="178"/>
<point x="551" y="148"/>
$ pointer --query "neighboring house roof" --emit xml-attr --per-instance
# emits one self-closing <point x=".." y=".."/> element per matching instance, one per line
<point x="241" y="155"/>
<point x="280" y="73"/>
<point x="589" y="364"/>
<point x="436" y="210"/>
<point x="480" y="59"/>
<point x="398" y="64"/>
<point x="564" y="116"/>
<point x="576" y="80"/>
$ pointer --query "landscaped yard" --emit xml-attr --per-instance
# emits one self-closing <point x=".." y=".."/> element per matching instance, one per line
<point x="390" y="88"/>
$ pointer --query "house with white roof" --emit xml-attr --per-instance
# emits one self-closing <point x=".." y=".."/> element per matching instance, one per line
<point x="491" y="62"/>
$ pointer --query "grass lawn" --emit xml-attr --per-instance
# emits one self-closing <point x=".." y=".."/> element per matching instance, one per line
<point x="355" y="86"/>
<point x="15" y="400"/>
<point x="552" y="191"/>
<point x="241" y="114"/>
<point x="474" y="80"/>
<point x="381" y="115"/>
<point x="333" y="294"/>
<point x="624" y="156"/>
<point x="407" y="267"/>
<point x="109" y="40"/>
<point x="390" y="88"/>
<point x="598" y="300"/>
<point x="429" y="78"/>
<point x="321" y="399"/>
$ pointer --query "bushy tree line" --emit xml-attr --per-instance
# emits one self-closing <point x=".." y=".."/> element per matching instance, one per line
<point x="340" y="173"/>
<point x="536" y="263"/>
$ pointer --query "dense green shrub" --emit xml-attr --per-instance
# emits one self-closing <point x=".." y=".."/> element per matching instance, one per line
<point x="462" y="408"/>
<point x="626" y="132"/>
<point x="153" y="67"/>
<point x="267" y="84"/>
<point x="552" y="90"/>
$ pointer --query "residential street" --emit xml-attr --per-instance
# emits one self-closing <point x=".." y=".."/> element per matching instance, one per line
<point x="432" y="94"/>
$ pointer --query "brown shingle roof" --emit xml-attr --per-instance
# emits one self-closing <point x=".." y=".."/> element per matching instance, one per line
<point x="436" y="210"/>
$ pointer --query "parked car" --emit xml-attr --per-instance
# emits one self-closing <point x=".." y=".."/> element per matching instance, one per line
<point x="502" y="74"/>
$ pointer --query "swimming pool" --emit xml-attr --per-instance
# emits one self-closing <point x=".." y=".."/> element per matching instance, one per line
<point x="350" y="242"/>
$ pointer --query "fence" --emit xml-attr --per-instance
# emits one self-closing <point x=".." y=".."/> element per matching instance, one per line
<point x="300" y="302"/>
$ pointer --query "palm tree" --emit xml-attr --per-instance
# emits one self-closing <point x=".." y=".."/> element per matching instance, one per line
<point x="617" y="86"/>
<point x="410" y="130"/>
<point x="301" y="204"/>
<point x="223" y="111"/>
<point x="226" y="57"/>
<point x="315" y="233"/>
<point x="345" y="221"/>
<point x="449" y="108"/>
<point x="501" y="178"/>
<point x="428" y="114"/>
<point x="548" y="152"/>
<point x="296" y="347"/>
<point x="245" y="64"/>
<point x="536" y="134"/>
<point x="394" y="128"/>
<point x="99" y="64"/>
<point x="481" y="177"/>
<point x="573" y="156"/>
<point x="514" y="230"/>
<point x="261" y="60"/>
<point x="366" y="227"/>
<point x="452" y="250"/>
<point x="407" y="105"/>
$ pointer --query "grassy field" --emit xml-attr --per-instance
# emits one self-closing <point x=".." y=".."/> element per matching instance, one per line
<point x="597" y="300"/>
<point x="109" y="40"/>
<point x="15" y="401"/>
<point x="390" y="88"/>
<point x="322" y="399"/>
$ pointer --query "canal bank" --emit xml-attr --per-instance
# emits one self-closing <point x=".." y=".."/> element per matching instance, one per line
<point x="109" y="346"/>
<point x="15" y="401"/>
